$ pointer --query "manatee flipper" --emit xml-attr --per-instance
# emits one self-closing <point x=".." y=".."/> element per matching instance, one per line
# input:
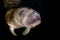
<point x="12" y="28"/>
<point x="12" y="31"/>
<point x="26" y="31"/>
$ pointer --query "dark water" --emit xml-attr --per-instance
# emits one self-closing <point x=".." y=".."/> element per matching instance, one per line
<point x="38" y="33"/>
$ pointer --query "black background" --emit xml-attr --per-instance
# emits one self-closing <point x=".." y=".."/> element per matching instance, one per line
<point x="39" y="33"/>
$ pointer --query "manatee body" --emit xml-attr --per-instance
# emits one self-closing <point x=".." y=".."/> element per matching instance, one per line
<point x="22" y="17"/>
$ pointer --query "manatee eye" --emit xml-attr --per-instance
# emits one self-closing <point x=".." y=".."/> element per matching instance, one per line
<point x="21" y="12"/>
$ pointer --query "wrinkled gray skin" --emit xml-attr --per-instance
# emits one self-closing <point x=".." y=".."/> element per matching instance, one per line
<point x="22" y="17"/>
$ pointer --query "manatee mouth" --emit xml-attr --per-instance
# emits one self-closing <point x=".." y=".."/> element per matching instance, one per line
<point x="33" y="21"/>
